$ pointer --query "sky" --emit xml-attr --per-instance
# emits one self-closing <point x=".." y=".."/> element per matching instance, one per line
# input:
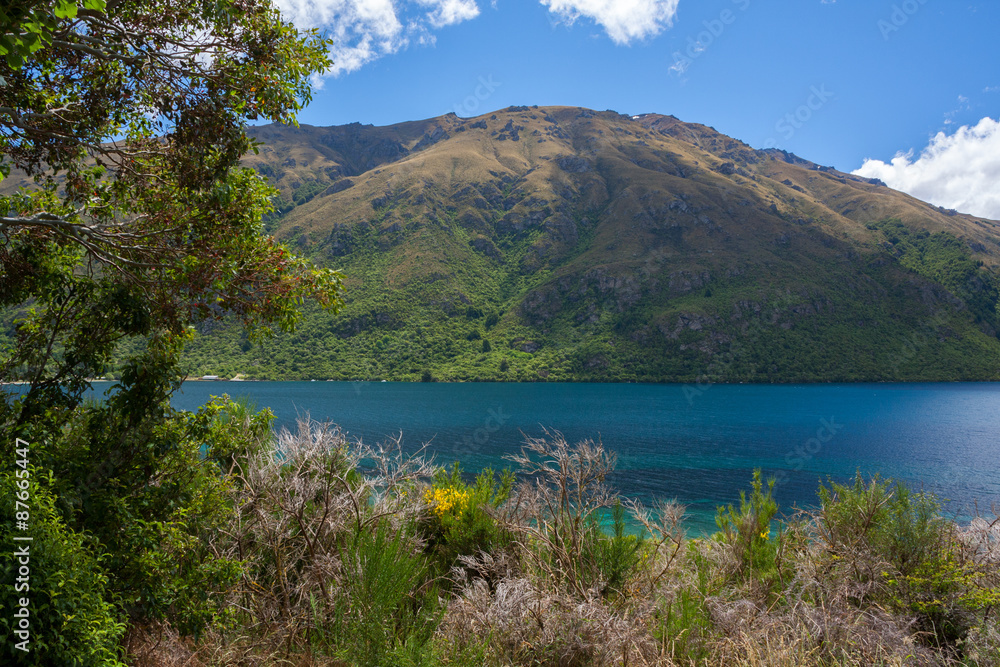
<point x="903" y="90"/>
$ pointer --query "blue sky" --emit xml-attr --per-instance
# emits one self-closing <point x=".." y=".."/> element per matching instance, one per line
<point x="835" y="81"/>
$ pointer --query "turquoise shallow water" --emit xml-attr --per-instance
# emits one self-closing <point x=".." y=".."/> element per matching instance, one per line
<point x="699" y="447"/>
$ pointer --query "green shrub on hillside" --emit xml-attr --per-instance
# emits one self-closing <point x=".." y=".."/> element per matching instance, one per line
<point x="387" y="609"/>
<point x="72" y="619"/>
<point x="946" y="259"/>
<point x="747" y="534"/>
<point x="459" y="519"/>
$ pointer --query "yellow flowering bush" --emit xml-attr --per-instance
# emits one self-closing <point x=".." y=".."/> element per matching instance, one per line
<point x="457" y="521"/>
<point x="447" y="500"/>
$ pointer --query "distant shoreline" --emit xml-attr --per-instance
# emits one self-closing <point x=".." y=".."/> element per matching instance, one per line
<point x="693" y="383"/>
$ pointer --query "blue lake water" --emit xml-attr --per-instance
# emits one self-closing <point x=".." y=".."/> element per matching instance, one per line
<point x="696" y="446"/>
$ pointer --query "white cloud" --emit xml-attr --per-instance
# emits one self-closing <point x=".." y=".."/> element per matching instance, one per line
<point x="623" y="20"/>
<point x="959" y="171"/>
<point x="447" y="12"/>
<point x="963" y="105"/>
<point x="364" y="30"/>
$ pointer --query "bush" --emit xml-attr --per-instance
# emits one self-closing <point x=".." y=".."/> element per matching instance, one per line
<point x="681" y="625"/>
<point x="928" y="576"/>
<point x="617" y="556"/>
<point x="329" y="554"/>
<point x="747" y="535"/>
<point x="557" y="512"/>
<point x="899" y="552"/>
<point x="72" y="622"/>
<point x="386" y="608"/>
<point x="459" y="520"/>
<point x="148" y="483"/>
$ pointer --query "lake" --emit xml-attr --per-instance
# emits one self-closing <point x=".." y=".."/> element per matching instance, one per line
<point x="696" y="445"/>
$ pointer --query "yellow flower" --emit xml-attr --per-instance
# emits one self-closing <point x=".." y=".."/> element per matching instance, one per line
<point x="444" y="500"/>
<point x="764" y="536"/>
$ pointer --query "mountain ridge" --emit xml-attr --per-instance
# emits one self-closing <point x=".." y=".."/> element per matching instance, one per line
<point x="587" y="245"/>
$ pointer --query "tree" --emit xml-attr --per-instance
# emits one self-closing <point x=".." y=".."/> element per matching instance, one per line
<point x="125" y="215"/>
<point x="130" y="118"/>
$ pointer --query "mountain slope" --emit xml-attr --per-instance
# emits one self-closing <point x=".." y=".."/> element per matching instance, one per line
<point x="561" y="243"/>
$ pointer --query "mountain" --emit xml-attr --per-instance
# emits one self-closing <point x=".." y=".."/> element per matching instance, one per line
<point x="560" y="243"/>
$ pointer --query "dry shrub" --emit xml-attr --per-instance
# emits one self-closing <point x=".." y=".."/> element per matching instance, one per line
<point x="980" y="543"/>
<point x="159" y="645"/>
<point x="553" y="611"/>
<point x="983" y="537"/>
<point x="841" y="606"/>
<point x="554" y="508"/>
<point x="666" y="546"/>
<point x="519" y="623"/>
<point x="811" y="635"/>
<point x="325" y="527"/>
<point x="299" y="504"/>
<point x="491" y="568"/>
<point x="982" y="645"/>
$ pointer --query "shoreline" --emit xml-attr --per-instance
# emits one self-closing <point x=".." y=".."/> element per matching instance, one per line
<point x="679" y="383"/>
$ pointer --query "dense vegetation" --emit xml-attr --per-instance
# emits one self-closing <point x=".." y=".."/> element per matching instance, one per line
<point x="307" y="549"/>
<point x="126" y="219"/>
<point x="879" y="326"/>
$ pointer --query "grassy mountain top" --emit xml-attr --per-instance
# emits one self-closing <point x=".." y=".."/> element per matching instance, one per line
<point x="560" y="243"/>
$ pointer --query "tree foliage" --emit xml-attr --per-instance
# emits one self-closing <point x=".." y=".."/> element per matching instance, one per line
<point x="71" y="620"/>
<point x="126" y="216"/>
<point x="130" y="118"/>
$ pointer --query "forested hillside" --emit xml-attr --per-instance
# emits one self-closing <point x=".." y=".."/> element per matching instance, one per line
<point x="559" y="243"/>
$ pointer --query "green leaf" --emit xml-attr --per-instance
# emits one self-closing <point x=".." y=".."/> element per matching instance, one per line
<point x="65" y="9"/>
<point x="33" y="43"/>
<point x="14" y="60"/>
<point x="95" y="5"/>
